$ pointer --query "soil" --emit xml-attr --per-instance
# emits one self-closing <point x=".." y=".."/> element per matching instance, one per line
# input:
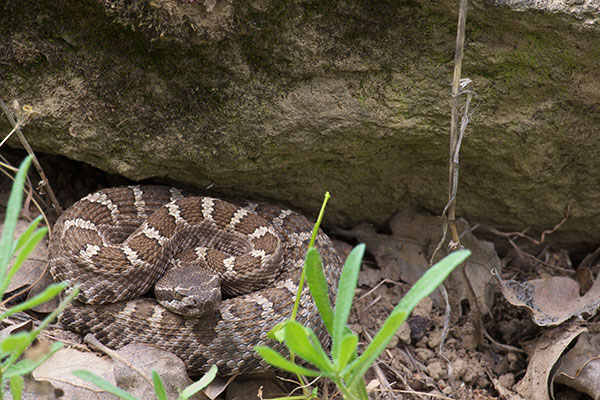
<point x="412" y="367"/>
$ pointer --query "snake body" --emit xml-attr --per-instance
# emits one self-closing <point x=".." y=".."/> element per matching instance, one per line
<point x="118" y="242"/>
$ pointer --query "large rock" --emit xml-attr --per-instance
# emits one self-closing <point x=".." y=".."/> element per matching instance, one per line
<point x="283" y="100"/>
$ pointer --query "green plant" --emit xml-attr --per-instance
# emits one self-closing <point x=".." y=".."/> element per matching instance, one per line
<point x="159" y="387"/>
<point x="343" y="366"/>
<point x="12" y="346"/>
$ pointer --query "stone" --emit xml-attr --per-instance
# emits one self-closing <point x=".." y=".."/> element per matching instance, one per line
<point x="284" y="100"/>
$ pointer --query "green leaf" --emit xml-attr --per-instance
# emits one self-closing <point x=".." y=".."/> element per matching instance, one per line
<point x="317" y="284"/>
<point x="430" y="280"/>
<point x="421" y="289"/>
<point x="26" y="365"/>
<point x="50" y="292"/>
<point x="277" y="360"/>
<point x="361" y="390"/>
<point x="345" y="295"/>
<point x="103" y="384"/>
<point x="16" y="342"/>
<point x="13" y="207"/>
<point x="25" y="235"/>
<point x="27" y="248"/>
<point x="347" y="349"/>
<point x="277" y="332"/>
<point x="50" y="317"/>
<point x="16" y="386"/>
<point x="159" y="387"/>
<point x="199" y="385"/>
<point x="298" y="339"/>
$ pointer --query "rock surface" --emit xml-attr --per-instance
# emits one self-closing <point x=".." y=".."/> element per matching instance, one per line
<point x="283" y="100"/>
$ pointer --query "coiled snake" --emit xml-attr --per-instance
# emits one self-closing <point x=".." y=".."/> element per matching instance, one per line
<point x="117" y="243"/>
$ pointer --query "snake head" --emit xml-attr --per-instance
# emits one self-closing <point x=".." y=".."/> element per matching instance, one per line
<point x="189" y="292"/>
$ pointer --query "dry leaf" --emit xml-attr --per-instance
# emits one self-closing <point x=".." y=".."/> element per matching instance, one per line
<point x="548" y="349"/>
<point x="404" y="255"/>
<point x="217" y="386"/>
<point x="580" y="366"/>
<point x="25" y="326"/>
<point x="552" y="300"/>
<point x="57" y="371"/>
<point x="147" y="358"/>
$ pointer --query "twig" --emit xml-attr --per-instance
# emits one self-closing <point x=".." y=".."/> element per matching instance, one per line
<point x="510" y="235"/>
<point x="386" y="280"/>
<point x="543" y="234"/>
<point x="433" y="395"/>
<point x="21" y="120"/>
<point x="454" y="140"/>
<point x="95" y="344"/>
<point x="502" y="346"/>
<point x="29" y="193"/>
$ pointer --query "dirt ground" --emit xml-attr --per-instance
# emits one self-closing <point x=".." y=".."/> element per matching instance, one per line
<point x="486" y="351"/>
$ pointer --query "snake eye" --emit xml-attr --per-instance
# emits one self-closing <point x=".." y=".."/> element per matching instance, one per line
<point x="177" y="295"/>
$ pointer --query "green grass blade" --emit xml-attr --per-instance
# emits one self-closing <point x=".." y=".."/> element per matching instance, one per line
<point x="16" y="342"/>
<point x="345" y="296"/>
<point x="277" y="360"/>
<point x="16" y="386"/>
<point x="103" y="384"/>
<point x="50" y="292"/>
<point x="50" y="317"/>
<point x="317" y="284"/>
<point x="199" y="385"/>
<point x="421" y="289"/>
<point x="26" y="365"/>
<point x="13" y="207"/>
<point x="380" y="341"/>
<point x="430" y="280"/>
<point x="159" y="387"/>
<point x="26" y="249"/>
<point x="347" y="349"/>
<point x="298" y="339"/>
<point x="25" y="235"/>
<point x="361" y="389"/>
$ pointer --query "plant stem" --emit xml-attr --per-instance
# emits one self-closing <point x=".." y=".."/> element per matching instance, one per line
<point x="303" y="278"/>
<point x="17" y="127"/>
<point x="453" y="165"/>
<point x="310" y="244"/>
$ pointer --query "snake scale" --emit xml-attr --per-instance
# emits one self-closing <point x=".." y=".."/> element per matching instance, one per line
<point x="117" y="242"/>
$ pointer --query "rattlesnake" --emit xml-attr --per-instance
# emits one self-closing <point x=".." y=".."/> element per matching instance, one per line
<point x="104" y="240"/>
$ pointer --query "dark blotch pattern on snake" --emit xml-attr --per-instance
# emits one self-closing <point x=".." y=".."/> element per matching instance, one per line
<point x="117" y="243"/>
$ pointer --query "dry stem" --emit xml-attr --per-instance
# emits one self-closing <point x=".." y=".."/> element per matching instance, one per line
<point x="23" y="115"/>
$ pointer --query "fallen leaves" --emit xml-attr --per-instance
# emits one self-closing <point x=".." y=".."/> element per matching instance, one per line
<point x="552" y="300"/>
<point x="404" y="256"/>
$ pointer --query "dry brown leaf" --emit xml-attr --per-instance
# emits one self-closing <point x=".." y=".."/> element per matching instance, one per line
<point x="580" y="366"/>
<point x="147" y="358"/>
<point x="25" y="326"/>
<point x="217" y="386"/>
<point x="404" y="255"/>
<point x="57" y="371"/>
<point x="548" y="349"/>
<point x="552" y="300"/>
